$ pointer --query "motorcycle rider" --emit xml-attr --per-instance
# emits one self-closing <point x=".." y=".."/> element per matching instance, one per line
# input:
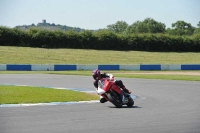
<point x="97" y="75"/>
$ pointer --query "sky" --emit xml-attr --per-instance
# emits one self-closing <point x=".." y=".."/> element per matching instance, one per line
<point x="97" y="14"/>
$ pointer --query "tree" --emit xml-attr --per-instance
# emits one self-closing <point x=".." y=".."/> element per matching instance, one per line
<point x="154" y="26"/>
<point x="182" y="28"/>
<point x="197" y="30"/>
<point x="133" y="27"/>
<point x="181" y="25"/>
<point x="118" y="27"/>
<point x="198" y="24"/>
<point x="149" y="25"/>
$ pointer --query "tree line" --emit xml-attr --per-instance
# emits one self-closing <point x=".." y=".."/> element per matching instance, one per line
<point x="150" y="25"/>
<point x="147" y="35"/>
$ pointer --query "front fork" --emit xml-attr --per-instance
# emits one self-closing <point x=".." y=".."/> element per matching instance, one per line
<point x="124" y="97"/>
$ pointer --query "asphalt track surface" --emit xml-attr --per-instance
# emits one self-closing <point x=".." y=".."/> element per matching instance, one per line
<point x="162" y="106"/>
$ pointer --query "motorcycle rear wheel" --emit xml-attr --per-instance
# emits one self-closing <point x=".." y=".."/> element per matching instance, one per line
<point x="113" y="98"/>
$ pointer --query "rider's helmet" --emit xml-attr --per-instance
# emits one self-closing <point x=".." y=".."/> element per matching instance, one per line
<point x="96" y="74"/>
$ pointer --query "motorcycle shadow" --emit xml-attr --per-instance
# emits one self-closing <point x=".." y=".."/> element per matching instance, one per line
<point x="125" y="107"/>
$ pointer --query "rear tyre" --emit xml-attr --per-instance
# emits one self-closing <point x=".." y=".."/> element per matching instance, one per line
<point x="115" y="99"/>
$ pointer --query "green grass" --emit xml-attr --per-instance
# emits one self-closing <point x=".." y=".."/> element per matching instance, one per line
<point x="126" y="74"/>
<point x="28" y="94"/>
<point x="166" y="77"/>
<point x="26" y="55"/>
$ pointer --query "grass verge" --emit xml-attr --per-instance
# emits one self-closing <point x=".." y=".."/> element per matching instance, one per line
<point x="28" y="94"/>
<point x="167" y="75"/>
<point x="27" y="55"/>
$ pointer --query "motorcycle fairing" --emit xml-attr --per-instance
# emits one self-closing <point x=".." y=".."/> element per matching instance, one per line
<point x="105" y="85"/>
<point x="111" y="85"/>
<point x="100" y="91"/>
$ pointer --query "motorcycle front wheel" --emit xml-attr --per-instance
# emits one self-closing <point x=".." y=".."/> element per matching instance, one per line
<point x="130" y="102"/>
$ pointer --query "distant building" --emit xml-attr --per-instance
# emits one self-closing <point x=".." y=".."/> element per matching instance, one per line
<point x="44" y="21"/>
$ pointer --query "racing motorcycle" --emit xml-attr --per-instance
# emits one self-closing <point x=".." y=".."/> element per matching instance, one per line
<point x="112" y="92"/>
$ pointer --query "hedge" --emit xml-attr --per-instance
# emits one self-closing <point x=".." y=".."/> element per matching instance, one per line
<point x="102" y="40"/>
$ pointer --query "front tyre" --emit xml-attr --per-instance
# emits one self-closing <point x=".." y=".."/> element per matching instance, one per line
<point x="130" y="102"/>
<point x="115" y="99"/>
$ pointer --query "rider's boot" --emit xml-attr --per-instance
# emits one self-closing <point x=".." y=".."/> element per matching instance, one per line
<point x="126" y="90"/>
<point x="102" y="99"/>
